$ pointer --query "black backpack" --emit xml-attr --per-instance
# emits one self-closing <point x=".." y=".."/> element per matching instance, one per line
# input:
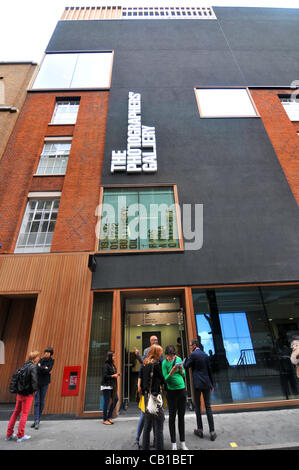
<point x="19" y="382"/>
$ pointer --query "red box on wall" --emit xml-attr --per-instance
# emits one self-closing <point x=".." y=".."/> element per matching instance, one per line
<point x="71" y="381"/>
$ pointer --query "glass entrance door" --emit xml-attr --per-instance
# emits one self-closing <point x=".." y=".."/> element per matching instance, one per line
<point x="145" y="317"/>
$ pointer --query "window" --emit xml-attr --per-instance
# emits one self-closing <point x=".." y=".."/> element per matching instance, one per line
<point x="247" y="332"/>
<point x="65" y="112"/>
<point x="139" y="219"/>
<point x="200" y="13"/>
<point x="235" y="334"/>
<point x="54" y="158"/>
<point x="225" y="102"/>
<point x="291" y="107"/>
<point x="100" y="335"/>
<point x="75" y="70"/>
<point x="38" y="225"/>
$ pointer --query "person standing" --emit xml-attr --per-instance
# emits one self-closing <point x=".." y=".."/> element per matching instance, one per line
<point x="174" y="375"/>
<point x="44" y="367"/>
<point x="153" y="340"/>
<point x="140" y="424"/>
<point x="152" y="381"/>
<point x="203" y="384"/>
<point x="109" y="388"/>
<point x="25" y="384"/>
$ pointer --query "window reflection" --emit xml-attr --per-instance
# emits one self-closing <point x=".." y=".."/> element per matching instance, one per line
<point x="247" y="334"/>
<point x="75" y="70"/>
<point x="99" y="345"/>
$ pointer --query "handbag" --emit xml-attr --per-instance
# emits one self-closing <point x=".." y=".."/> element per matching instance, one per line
<point x="155" y="402"/>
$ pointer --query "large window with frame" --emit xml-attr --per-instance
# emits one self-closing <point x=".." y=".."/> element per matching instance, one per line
<point x="75" y="70"/>
<point x="38" y="225"/>
<point x="247" y="333"/>
<point x="139" y="219"/>
<point x="225" y="102"/>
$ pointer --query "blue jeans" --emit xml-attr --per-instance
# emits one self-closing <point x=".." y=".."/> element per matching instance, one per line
<point x="140" y="425"/>
<point x="39" y="401"/>
<point x="107" y="394"/>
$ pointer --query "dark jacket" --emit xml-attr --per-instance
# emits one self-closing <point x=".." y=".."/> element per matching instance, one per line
<point x="201" y="370"/>
<point x="29" y="382"/>
<point x="107" y="379"/>
<point x="44" y="368"/>
<point x="157" y="380"/>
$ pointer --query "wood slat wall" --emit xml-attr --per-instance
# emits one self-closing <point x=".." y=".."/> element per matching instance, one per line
<point x="61" y="319"/>
<point x="91" y="13"/>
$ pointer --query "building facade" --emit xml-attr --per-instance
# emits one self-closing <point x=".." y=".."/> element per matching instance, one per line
<point x="15" y="77"/>
<point x="157" y="193"/>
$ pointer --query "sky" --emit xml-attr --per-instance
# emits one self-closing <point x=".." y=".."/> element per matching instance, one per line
<point x="27" y="25"/>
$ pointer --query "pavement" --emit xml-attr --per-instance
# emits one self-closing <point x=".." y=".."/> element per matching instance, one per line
<point x="251" y="431"/>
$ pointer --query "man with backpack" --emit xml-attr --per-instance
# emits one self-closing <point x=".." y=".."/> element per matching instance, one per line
<point x="24" y="383"/>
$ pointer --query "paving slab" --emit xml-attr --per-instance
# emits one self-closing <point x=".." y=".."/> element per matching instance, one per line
<point x="255" y="430"/>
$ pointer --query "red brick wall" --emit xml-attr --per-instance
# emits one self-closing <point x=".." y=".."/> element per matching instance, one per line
<point x="80" y="186"/>
<point x="282" y="133"/>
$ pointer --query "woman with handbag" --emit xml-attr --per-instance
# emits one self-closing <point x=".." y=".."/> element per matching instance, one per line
<point x="109" y="388"/>
<point x="151" y="387"/>
<point x="174" y="375"/>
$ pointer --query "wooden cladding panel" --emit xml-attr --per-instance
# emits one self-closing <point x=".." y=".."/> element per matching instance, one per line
<point x="91" y="13"/>
<point x="61" y="318"/>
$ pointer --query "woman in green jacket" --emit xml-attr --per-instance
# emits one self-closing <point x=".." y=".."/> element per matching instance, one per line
<point x="174" y="375"/>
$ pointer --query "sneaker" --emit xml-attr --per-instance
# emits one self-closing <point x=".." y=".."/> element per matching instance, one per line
<point x="198" y="433"/>
<point x="183" y="446"/>
<point x="136" y="445"/>
<point x="24" y="438"/>
<point x="213" y="436"/>
<point x="11" y="437"/>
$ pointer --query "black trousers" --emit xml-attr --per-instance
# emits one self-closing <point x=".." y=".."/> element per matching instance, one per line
<point x="207" y="400"/>
<point x="176" y="400"/>
<point x="155" y="422"/>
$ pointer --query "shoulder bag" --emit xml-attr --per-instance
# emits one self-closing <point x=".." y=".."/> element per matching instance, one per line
<point x="155" y="402"/>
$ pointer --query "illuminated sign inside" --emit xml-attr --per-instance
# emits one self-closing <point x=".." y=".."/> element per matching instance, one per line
<point x="141" y="154"/>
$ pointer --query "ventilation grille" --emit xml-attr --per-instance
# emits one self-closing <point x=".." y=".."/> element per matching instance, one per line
<point x="138" y="13"/>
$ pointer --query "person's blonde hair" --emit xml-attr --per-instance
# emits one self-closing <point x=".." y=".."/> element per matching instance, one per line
<point x="154" y="354"/>
<point x="33" y="355"/>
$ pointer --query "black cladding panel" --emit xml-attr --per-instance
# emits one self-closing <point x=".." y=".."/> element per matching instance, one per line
<point x="251" y="219"/>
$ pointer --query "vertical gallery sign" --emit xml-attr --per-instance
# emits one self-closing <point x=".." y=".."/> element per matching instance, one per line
<point x="140" y="155"/>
